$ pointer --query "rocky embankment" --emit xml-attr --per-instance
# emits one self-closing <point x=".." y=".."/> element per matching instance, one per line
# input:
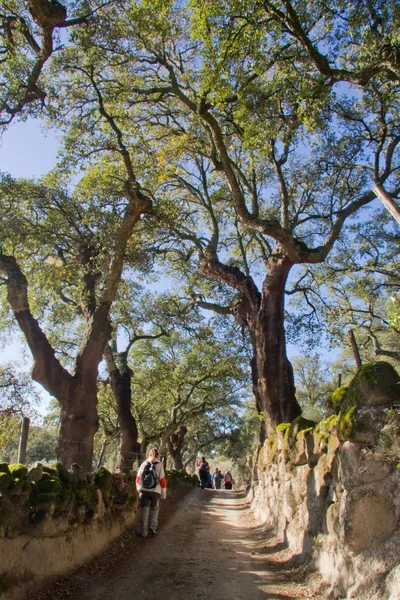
<point x="332" y="491"/>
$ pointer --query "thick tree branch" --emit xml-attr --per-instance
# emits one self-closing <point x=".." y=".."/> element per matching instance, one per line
<point x="47" y="369"/>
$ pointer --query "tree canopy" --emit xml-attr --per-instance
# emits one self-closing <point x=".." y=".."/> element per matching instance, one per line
<point x="247" y="134"/>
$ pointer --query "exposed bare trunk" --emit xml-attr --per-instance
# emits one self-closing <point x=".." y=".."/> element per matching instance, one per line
<point x="78" y="425"/>
<point x="263" y="315"/>
<point x="120" y="379"/>
<point x="175" y="446"/>
<point x="275" y="374"/>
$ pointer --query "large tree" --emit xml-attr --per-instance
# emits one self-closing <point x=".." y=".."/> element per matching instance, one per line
<point x="254" y="155"/>
<point x="74" y="247"/>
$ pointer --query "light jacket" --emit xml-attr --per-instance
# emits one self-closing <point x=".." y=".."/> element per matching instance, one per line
<point x="161" y="487"/>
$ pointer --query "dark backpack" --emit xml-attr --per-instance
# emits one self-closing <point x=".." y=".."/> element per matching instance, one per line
<point x="149" y="479"/>
<point x="204" y="467"/>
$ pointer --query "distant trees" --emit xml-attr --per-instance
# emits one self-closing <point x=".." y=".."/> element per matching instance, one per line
<point x="187" y="392"/>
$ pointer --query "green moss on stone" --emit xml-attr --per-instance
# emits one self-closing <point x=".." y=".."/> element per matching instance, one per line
<point x="272" y="447"/>
<point x="64" y="475"/>
<point x="327" y="426"/>
<point x="283" y="427"/>
<point x="338" y="397"/>
<point x="299" y="424"/>
<point x="18" y="470"/>
<point x="50" y="471"/>
<point x="44" y="499"/>
<point x="372" y="371"/>
<point x="49" y="486"/>
<point x="347" y="423"/>
<point x="102" y="473"/>
<point x="373" y="380"/>
<point x="63" y="497"/>
<point x="85" y="493"/>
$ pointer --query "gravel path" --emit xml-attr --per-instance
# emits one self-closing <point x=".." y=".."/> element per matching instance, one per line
<point x="207" y="547"/>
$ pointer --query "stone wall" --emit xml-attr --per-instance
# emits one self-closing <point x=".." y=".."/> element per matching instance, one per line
<point x="53" y="520"/>
<point x="332" y="492"/>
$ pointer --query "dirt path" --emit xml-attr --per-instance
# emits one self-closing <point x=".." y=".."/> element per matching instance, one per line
<point x="210" y="547"/>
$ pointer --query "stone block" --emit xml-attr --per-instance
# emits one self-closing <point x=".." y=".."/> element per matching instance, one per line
<point x="322" y="477"/>
<point x="368" y="519"/>
<point x="376" y="384"/>
<point x="332" y="519"/>
<point x="359" y="465"/>
<point x="298" y="454"/>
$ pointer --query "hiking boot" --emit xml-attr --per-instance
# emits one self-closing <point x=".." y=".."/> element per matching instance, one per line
<point x="152" y="532"/>
<point x="140" y="533"/>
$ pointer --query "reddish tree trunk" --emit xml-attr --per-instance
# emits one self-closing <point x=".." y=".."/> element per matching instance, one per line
<point x="263" y="315"/>
<point x="275" y="374"/>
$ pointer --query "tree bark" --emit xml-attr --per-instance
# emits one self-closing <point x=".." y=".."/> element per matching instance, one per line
<point x="263" y="315"/>
<point x="78" y="424"/>
<point x="175" y="446"/>
<point x="275" y="373"/>
<point x="120" y="379"/>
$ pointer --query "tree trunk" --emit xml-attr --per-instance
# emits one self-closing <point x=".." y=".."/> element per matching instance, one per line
<point x="120" y="379"/>
<point x="263" y="315"/>
<point x="78" y="424"/>
<point x="77" y="394"/>
<point x="354" y="347"/>
<point x="271" y="371"/>
<point x="275" y="387"/>
<point x="175" y="446"/>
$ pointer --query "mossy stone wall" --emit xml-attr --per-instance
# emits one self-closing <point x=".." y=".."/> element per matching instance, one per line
<point x="332" y="491"/>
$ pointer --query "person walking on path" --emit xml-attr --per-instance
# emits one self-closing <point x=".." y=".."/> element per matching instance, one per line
<point x="151" y="484"/>
<point x="228" y="481"/>
<point x="218" y="477"/>
<point x="215" y="477"/>
<point x="203" y="472"/>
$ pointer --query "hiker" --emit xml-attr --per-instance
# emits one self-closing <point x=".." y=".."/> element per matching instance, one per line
<point x="215" y="477"/>
<point x="151" y="484"/>
<point x="228" y="481"/>
<point x="203" y="472"/>
<point x="218" y="477"/>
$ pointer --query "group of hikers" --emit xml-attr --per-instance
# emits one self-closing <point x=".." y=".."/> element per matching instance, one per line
<point x="213" y="480"/>
<point x="151" y="484"/>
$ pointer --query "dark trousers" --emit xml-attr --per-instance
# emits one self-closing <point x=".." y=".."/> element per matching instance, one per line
<point x="203" y="478"/>
<point x="149" y="508"/>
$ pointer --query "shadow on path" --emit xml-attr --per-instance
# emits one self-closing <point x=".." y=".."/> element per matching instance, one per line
<point x="209" y="548"/>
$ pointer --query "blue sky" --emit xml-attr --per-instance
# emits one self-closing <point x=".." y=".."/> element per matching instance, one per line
<point x="26" y="150"/>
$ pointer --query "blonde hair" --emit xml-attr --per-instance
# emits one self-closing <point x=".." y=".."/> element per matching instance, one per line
<point x="154" y="453"/>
